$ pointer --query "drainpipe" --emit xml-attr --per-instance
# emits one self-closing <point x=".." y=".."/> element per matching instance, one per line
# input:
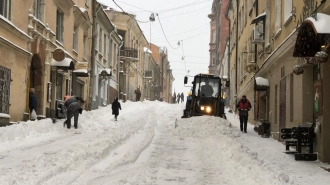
<point x="237" y="6"/>
<point x="91" y="82"/>
<point x="118" y="65"/>
<point x="228" y="62"/>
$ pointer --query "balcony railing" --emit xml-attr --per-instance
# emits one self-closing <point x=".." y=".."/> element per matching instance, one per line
<point x="129" y="52"/>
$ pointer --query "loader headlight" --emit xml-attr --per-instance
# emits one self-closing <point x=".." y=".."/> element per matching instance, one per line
<point x="208" y="109"/>
<point x="202" y="108"/>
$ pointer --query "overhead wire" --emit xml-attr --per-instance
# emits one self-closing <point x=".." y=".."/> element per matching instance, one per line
<point x="164" y="33"/>
<point x="129" y="14"/>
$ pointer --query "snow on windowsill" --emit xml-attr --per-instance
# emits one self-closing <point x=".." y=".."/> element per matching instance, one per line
<point x="10" y="23"/>
<point x="16" y="45"/>
<point x="2" y="115"/>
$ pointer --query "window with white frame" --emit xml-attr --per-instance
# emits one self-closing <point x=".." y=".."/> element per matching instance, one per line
<point x="278" y="15"/>
<point x="75" y="38"/>
<point x="213" y="36"/>
<point x="38" y="10"/>
<point x="5" y="7"/>
<point x="287" y="10"/>
<point x="59" y="26"/>
<point x="100" y="40"/>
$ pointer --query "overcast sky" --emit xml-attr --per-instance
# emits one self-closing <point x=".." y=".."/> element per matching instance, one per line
<point x="182" y="20"/>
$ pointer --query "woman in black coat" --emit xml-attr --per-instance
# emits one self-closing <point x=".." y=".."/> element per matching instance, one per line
<point x="115" y="108"/>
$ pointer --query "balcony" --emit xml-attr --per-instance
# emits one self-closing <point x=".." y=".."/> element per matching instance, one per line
<point x="129" y="54"/>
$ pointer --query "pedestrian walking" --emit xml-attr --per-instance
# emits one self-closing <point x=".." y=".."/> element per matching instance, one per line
<point x="174" y="97"/>
<point x="73" y="106"/>
<point x="115" y="108"/>
<point x="137" y="94"/>
<point x="182" y="97"/>
<point x="33" y="104"/>
<point x="178" y="98"/>
<point x="243" y="106"/>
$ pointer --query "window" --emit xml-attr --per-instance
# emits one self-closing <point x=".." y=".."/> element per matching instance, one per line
<point x="59" y="26"/>
<point x="278" y="15"/>
<point x="87" y="3"/>
<point x="213" y="36"/>
<point x="37" y="10"/>
<point x="75" y="38"/>
<point x="213" y="59"/>
<point x="122" y="34"/>
<point x="5" y="6"/>
<point x="100" y="40"/>
<point x="105" y="45"/>
<point x="251" y="2"/>
<point x="85" y="45"/>
<point x="287" y="10"/>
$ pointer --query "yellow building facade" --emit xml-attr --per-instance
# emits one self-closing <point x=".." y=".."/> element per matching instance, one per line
<point x="269" y="42"/>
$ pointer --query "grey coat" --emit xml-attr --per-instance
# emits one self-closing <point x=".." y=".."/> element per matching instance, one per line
<point x="73" y="103"/>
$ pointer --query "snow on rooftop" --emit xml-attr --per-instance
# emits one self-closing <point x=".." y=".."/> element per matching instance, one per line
<point x="322" y="23"/>
<point x="147" y="50"/>
<point x="80" y="71"/>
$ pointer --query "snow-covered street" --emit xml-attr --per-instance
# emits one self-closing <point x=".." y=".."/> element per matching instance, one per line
<point x="149" y="144"/>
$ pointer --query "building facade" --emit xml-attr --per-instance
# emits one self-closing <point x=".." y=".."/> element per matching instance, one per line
<point x="219" y="27"/>
<point x="280" y="42"/>
<point x="107" y="42"/>
<point x="131" y="54"/>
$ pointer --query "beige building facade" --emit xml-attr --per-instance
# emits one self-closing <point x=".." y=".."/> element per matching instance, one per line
<point x="131" y="54"/>
<point x="276" y="41"/>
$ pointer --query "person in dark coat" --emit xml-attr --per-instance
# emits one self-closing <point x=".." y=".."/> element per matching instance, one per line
<point x="32" y="100"/>
<point x="178" y="98"/>
<point x="73" y="106"/>
<point x="115" y="108"/>
<point x="243" y="106"/>
<point x="138" y="94"/>
<point x="182" y="97"/>
<point x="174" y="97"/>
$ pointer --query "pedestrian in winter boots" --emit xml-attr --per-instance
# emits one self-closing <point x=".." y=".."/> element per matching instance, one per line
<point x="115" y="108"/>
<point x="73" y="106"/>
<point x="243" y="107"/>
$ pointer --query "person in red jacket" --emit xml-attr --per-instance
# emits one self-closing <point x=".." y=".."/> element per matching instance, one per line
<point x="243" y="106"/>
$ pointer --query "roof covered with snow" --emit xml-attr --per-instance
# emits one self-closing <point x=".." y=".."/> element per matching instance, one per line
<point x="321" y="23"/>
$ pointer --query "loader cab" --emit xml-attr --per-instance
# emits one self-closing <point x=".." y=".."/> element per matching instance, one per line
<point x="206" y="97"/>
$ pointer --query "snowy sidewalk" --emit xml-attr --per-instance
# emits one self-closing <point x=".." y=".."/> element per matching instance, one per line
<point x="269" y="153"/>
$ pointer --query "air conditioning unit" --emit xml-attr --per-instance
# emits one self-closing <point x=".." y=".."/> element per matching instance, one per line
<point x="258" y="34"/>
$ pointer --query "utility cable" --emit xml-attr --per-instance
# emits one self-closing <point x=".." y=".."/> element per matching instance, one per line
<point x="164" y="33"/>
<point x="191" y="4"/>
<point x="129" y="14"/>
<point x="185" y="12"/>
<point x="183" y="32"/>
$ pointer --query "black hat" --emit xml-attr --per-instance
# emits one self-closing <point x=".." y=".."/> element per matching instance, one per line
<point x="243" y="96"/>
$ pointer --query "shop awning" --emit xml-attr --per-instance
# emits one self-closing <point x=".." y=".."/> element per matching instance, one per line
<point x="259" y="18"/>
<point x="105" y="72"/>
<point x="66" y="63"/>
<point x="261" y="84"/>
<point x="81" y="72"/>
